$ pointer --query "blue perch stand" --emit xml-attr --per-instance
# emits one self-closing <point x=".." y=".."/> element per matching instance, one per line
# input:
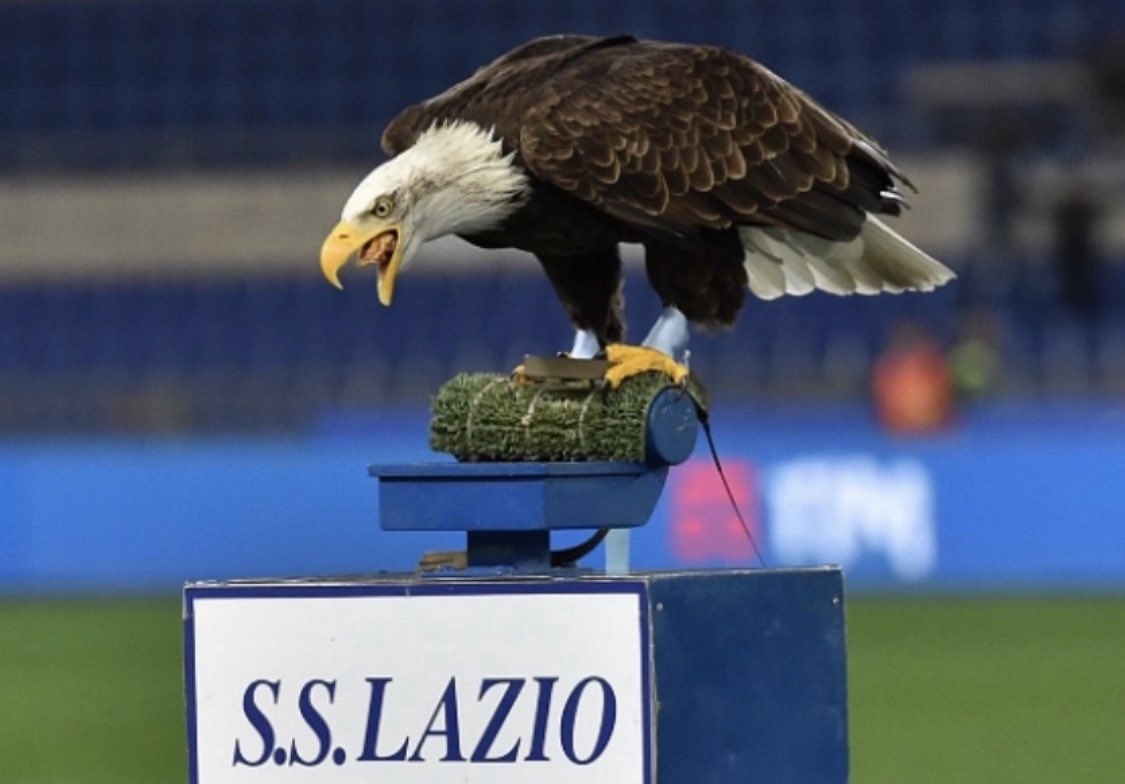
<point x="509" y="509"/>
<point x="692" y="677"/>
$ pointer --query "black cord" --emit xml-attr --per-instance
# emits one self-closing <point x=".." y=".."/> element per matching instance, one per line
<point x="571" y="555"/>
<point x="705" y="421"/>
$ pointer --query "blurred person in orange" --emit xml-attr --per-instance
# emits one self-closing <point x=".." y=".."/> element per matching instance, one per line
<point x="912" y="384"/>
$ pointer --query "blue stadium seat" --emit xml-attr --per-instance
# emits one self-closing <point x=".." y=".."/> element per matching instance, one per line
<point x="246" y="79"/>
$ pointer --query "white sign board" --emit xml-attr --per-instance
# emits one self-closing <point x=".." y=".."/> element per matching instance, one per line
<point x="425" y="683"/>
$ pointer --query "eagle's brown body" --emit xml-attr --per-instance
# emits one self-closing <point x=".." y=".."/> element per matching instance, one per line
<point x="672" y="146"/>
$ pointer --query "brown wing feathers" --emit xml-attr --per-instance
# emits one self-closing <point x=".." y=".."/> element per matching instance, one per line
<point x="699" y="138"/>
<point x="669" y="136"/>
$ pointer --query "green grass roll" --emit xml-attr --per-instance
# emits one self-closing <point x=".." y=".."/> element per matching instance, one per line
<point x="489" y="417"/>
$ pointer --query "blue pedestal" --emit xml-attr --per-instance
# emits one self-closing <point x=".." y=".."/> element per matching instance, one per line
<point x="661" y="678"/>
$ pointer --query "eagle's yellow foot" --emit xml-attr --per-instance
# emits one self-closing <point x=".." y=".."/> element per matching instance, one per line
<point x="519" y="374"/>
<point x="626" y="361"/>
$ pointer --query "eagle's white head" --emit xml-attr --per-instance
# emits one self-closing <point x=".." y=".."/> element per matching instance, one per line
<point x="456" y="179"/>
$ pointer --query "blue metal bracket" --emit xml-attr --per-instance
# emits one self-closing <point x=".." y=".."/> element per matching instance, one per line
<point x="509" y="509"/>
<point x="516" y="496"/>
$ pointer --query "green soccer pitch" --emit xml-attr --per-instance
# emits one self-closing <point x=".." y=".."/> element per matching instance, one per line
<point x="940" y="690"/>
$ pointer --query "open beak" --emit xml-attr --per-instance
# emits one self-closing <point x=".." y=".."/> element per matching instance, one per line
<point x="381" y="245"/>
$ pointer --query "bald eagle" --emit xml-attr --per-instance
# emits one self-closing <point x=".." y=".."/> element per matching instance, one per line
<point x="728" y="176"/>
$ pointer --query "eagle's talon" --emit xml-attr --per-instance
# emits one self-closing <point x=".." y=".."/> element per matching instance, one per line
<point x="519" y="375"/>
<point x="633" y="360"/>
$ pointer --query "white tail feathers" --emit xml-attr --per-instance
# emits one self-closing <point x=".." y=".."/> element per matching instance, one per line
<point x="784" y="261"/>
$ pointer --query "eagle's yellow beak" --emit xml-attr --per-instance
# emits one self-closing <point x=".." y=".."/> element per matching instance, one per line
<point x="379" y="244"/>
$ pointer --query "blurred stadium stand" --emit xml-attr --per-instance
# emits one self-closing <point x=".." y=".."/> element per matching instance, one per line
<point x="260" y="82"/>
<point x="167" y="171"/>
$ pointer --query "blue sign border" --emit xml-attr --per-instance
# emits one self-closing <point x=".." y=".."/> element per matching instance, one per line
<point x="194" y="592"/>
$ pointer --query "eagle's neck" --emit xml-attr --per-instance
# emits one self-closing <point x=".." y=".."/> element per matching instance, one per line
<point x="462" y="180"/>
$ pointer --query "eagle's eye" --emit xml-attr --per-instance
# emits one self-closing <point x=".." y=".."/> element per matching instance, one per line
<point x="383" y="206"/>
